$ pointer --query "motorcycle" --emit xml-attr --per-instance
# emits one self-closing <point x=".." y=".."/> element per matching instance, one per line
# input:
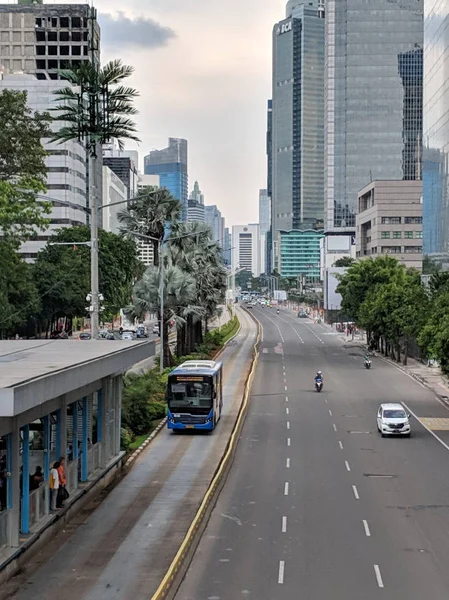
<point x="318" y="385"/>
<point x="277" y="312"/>
<point x="367" y="363"/>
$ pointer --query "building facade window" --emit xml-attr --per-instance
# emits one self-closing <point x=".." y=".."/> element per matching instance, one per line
<point x="385" y="235"/>
<point x="397" y="235"/>
<point x="391" y="250"/>
<point x="391" y="220"/>
<point x="413" y="220"/>
<point x="408" y="235"/>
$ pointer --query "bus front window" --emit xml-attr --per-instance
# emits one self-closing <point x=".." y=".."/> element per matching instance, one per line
<point x="185" y="395"/>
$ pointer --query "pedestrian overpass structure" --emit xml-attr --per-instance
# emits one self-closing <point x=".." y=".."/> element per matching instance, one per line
<point x="58" y="398"/>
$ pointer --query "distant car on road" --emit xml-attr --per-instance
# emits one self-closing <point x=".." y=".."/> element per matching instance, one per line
<point x="156" y="329"/>
<point x="392" y="419"/>
<point x="85" y="336"/>
<point x="141" y="331"/>
<point x="303" y="315"/>
<point x="128" y="335"/>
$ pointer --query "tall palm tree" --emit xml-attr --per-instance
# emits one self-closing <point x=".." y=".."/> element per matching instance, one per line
<point x="96" y="107"/>
<point x="201" y="257"/>
<point x="148" y="215"/>
<point x="179" y="296"/>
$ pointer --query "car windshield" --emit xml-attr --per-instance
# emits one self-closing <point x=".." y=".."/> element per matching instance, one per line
<point x="394" y="414"/>
<point x="183" y="395"/>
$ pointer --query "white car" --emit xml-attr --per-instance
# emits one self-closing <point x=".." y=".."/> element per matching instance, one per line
<point x="128" y="335"/>
<point x="392" y="419"/>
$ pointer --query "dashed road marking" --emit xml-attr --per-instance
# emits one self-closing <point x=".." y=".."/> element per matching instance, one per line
<point x="281" y="571"/>
<point x="287" y="463"/>
<point x="356" y="493"/>
<point x="366" y="527"/>
<point x="341" y="445"/>
<point x="286" y="487"/>
<point x="334" y="426"/>
<point x="288" y="424"/>
<point x="284" y="524"/>
<point x="288" y="441"/>
<point x="287" y="410"/>
<point x="348" y="468"/>
<point x="330" y="412"/>
<point x="380" y="582"/>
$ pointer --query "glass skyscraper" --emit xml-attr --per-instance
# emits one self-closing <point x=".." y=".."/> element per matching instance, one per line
<point x="436" y="132"/>
<point x="171" y="166"/>
<point x="297" y="119"/>
<point x="373" y="99"/>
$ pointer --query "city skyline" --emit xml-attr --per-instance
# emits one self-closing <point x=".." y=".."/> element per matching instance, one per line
<point x="188" y="93"/>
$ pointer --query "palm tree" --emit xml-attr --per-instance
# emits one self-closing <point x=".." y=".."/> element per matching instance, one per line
<point x="179" y="295"/>
<point x="148" y="215"/>
<point x="201" y="257"/>
<point x="96" y="107"/>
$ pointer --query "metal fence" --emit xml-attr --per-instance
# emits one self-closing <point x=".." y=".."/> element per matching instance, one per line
<point x="72" y="475"/>
<point x="38" y="504"/>
<point x="4" y="528"/>
<point x="93" y="458"/>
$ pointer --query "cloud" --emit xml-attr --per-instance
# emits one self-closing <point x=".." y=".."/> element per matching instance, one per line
<point x="121" y="31"/>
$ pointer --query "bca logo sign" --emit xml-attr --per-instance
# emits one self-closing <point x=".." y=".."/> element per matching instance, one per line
<point x="284" y="28"/>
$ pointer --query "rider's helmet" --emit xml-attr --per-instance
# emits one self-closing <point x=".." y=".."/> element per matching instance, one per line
<point x="319" y="373"/>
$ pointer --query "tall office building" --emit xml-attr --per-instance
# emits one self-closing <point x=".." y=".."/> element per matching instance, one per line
<point x="246" y="248"/>
<point x="265" y="225"/>
<point x="269" y="150"/>
<point x="298" y="118"/>
<point x="171" y="166"/>
<point x="213" y="218"/>
<point x="124" y="166"/>
<point x="37" y="38"/>
<point x="436" y="132"/>
<point x="195" y="207"/>
<point x="373" y="95"/>
<point x="227" y="247"/>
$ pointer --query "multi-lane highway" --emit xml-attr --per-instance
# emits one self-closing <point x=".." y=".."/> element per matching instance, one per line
<point x="317" y="505"/>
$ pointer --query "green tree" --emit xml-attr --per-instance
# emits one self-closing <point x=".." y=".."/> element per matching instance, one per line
<point x="62" y="273"/>
<point x="179" y="291"/>
<point x="361" y="278"/>
<point x="148" y="215"/>
<point x="19" y="300"/>
<point x="22" y="166"/>
<point x="434" y="337"/>
<point x="345" y="261"/>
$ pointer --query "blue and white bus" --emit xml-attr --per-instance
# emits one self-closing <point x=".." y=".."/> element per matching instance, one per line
<point x="195" y="395"/>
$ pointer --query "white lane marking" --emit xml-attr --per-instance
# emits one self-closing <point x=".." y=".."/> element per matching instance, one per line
<point x="334" y="426"/>
<point x="356" y="494"/>
<point x="286" y="388"/>
<point x="330" y="412"/>
<point x="325" y="400"/>
<point x="366" y="527"/>
<point x="285" y="380"/>
<point x="288" y="424"/>
<point x="284" y="524"/>
<point x="287" y="463"/>
<point x="341" y="445"/>
<point x="281" y="571"/>
<point x="286" y="398"/>
<point x="380" y="583"/>
<point x="288" y="441"/>
<point x="286" y="486"/>
<point x="348" y="468"/>
<point x="287" y="410"/>
<point x="425" y="427"/>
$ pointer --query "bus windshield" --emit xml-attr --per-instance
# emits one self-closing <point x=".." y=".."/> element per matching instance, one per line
<point x="182" y="395"/>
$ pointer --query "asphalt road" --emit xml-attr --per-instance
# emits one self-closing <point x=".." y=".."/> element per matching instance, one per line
<point x="317" y="505"/>
<point x="121" y="550"/>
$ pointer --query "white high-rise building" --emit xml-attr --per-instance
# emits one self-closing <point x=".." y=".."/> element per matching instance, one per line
<point x="66" y="179"/>
<point x="245" y="253"/>
<point x="114" y="190"/>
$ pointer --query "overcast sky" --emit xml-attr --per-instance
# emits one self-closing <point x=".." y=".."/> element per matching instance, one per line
<point x="203" y="69"/>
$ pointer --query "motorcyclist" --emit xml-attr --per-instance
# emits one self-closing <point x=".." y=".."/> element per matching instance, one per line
<point x="319" y="376"/>
<point x="366" y="360"/>
<point x="277" y="311"/>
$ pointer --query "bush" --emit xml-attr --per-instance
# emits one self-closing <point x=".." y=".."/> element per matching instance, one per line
<point x="126" y="438"/>
<point x="143" y="401"/>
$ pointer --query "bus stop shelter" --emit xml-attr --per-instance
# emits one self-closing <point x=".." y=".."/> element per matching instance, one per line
<point x="58" y="398"/>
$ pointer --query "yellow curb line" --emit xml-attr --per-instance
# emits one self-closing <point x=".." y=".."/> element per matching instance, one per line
<point x="173" y="569"/>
